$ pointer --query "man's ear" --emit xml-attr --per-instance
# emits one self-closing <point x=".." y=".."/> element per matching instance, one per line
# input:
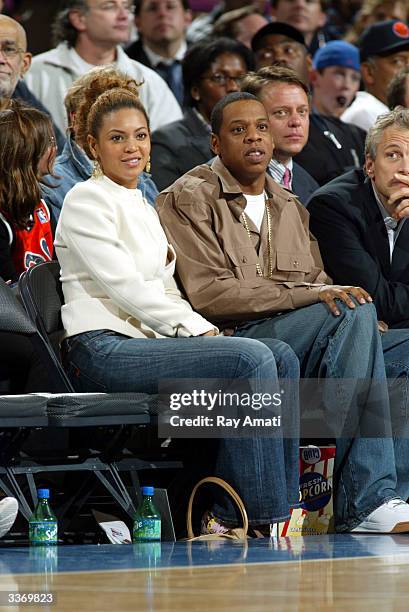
<point x="313" y="77"/>
<point x="369" y="167"/>
<point x="215" y="144"/>
<point x="188" y="17"/>
<point x="322" y="19"/>
<point x="308" y="62"/>
<point x="368" y="73"/>
<point x="25" y="64"/>
<point x="77" y="20"/>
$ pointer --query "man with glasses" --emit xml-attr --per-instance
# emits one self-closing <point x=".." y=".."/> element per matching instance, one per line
<point x="89" y="33"/>
<point x="162" y="39"/>
<point x="14" y="63"/>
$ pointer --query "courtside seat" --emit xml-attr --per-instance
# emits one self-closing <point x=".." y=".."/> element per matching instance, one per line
<point x="23" y="410"/>
<point x="82" y="409"/>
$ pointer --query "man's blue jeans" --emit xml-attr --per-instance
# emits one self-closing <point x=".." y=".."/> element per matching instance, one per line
<point x="264" y="471"/>
<point x="350" y="347"/>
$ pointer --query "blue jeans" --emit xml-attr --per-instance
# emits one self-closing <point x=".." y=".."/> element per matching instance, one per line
<point x="264" y="471"/>
<point x="350" y="347"/>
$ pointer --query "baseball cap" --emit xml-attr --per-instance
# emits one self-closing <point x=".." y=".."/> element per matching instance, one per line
<point x="384" y="38"/>
<point x="276" y="27"/>
<point x="337" y="53"/>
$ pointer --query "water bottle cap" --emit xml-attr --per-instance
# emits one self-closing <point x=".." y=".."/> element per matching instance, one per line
<point x="43" y="493"/>
<point x="148" y="490"/>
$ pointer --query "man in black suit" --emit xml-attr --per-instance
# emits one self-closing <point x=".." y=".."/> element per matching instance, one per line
<point x="161" y="45"/>
<point x="286" y="98"/>
<point x="360" y="221"/>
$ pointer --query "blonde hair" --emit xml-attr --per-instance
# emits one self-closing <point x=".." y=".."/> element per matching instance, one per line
<point x="398" y="118"/>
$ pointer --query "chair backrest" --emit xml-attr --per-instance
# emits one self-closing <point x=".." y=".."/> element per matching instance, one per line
<point x="42" y="296"/>
<point x="13" y="317"/>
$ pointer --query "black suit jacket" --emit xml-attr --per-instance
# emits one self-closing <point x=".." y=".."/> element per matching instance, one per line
<point x="321" y="158"/>
<point x="303" y="184"/>
<point x="346" y="220"/>
<point x="136" y="52"/>
<point x="178" y="147"/>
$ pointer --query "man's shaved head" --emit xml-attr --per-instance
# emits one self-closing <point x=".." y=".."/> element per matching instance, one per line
<point x="14" y="59"/>
<point x="8" y="22"/>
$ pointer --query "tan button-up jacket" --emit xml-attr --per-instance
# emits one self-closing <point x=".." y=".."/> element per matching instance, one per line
<point x="216" y="258"/>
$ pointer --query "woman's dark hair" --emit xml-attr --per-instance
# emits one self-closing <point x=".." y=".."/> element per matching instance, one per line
<point x="201" y="56"/>
<point x="90" y="117"/>
<point x="25" y="136"/>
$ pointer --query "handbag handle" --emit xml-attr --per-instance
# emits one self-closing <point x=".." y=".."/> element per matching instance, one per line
<point x="229" y="489"/>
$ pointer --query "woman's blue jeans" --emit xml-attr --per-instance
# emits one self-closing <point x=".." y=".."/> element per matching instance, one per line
<point x="263" y="470"/>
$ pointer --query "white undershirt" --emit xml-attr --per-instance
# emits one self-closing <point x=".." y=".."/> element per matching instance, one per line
<point x="255" y="208"/>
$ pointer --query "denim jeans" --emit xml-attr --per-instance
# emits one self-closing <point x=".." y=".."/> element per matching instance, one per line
<point x="264" y="471"/>
<point x="350" y="347"/>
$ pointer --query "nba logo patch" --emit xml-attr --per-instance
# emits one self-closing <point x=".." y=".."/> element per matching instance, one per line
<point x="42" y="215"/>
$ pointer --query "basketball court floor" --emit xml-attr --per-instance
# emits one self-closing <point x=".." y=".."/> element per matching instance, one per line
<point x="320" y="573"/>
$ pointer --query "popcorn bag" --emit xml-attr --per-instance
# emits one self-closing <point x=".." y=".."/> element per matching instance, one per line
<point x="315" y="516"/>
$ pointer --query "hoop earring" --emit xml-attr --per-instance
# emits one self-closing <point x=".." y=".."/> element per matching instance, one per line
<point x="97" y="170"/>
<point x="148" y="165"/>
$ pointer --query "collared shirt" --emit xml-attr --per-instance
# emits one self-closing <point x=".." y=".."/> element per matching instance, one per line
<point x="277" y="170"/>
<point x="156" y="59"/>
<point x="202" y="119"/>
<point x="217" y="260"/>
<point x="393" y="227"/>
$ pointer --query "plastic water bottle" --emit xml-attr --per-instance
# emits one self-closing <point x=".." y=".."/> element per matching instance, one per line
<point x="43" y="526"/>
<point x="147" y="521"/>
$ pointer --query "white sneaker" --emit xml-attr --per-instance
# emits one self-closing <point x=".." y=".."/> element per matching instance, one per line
<point x="391" y="517"/>
<point x="8" y="514"/>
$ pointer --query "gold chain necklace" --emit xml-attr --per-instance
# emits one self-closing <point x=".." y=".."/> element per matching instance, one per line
<point x="243" y="219"/>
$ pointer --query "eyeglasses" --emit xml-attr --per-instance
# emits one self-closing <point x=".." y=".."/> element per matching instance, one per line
<point x="222" y="79"/>
<point x="111" y="7"/>
<point x="10" y="50"/>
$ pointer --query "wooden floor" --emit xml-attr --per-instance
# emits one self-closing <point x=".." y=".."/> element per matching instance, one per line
<point x="378" y="583"/>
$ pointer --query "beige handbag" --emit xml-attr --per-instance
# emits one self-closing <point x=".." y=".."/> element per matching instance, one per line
<point x="238" y="533"/>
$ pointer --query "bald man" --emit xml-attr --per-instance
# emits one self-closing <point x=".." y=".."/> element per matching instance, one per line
<point x="15" y="60"/>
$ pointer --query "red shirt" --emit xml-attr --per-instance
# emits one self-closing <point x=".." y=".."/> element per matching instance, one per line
<point x="33" y="244"/>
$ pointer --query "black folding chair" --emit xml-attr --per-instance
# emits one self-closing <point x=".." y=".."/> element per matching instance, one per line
<point x="21" y="416"/>
<point x="42" y="296"/>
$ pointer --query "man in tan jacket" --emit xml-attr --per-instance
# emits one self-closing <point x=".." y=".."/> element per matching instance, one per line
<point x="246" y="260"/>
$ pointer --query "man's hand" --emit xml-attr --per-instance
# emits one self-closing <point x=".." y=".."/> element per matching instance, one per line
<point x="382" y="327"/>
<point x="329" y="293"/>
<point x="399" y="200"/>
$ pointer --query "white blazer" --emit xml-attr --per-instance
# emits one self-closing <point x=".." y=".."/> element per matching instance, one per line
<point x="117" y="267"/>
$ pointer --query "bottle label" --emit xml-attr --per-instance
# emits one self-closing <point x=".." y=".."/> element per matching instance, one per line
<point x="43" y="532"/>
<point x="146" y="529"/>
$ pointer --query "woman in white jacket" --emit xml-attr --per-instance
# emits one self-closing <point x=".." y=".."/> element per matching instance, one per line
<point x="128" y="327"/>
